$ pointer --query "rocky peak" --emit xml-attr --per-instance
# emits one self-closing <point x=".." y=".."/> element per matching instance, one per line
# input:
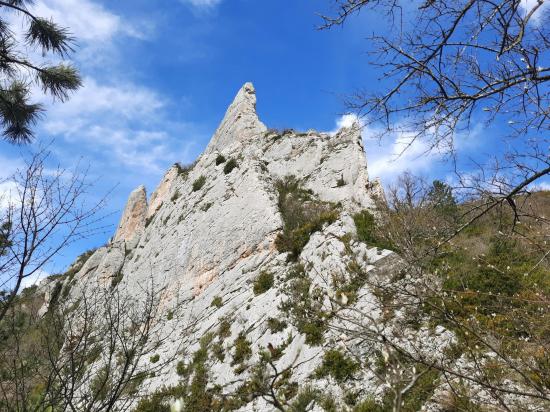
<point x="133" y="218"/>
<point x="240" y="123"/>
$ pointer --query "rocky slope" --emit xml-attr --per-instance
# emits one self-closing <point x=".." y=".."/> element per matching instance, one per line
<point x="207" y="242"/>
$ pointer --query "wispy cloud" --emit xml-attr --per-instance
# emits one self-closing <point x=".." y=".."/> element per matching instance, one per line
<point x="204" y="4"/>
<point x="115" y="122"/>
<point x="34" y="279"/>
<point x="398" y="152"/>
<point x="389" y="157"/>
<point x="120" y="123"/>
<point x="527" y="6"/>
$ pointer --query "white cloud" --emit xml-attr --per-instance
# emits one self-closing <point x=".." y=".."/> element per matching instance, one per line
<point x="528" y="5"/>
<point x="346" y="121"/>
<point x="126" y="100"/>
<point x="540" y="186"/>
<point x="394" y="154"/>
<point x="34" y="279"/>
<point x="391" y="154"/>
<point x="118" y="122"/>
<point x="88" y="21"/>
<point x="202" y="3"/>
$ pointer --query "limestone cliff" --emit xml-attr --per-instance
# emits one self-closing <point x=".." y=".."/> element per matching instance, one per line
<point x="209" y="233"/>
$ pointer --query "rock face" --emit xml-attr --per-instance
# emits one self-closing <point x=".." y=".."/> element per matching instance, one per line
<point x="210" y="231"/>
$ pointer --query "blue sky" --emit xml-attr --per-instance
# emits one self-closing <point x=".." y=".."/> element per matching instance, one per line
<point x="158" y="77"/>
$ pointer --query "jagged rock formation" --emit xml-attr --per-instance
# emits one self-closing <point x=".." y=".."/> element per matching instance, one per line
<point x="210" y="231"/>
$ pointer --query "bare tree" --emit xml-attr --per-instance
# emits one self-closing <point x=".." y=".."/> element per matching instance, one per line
<point x="471" y="309"/>
<point x="92" y="352"/>
<point x="45" y="212"/>
<point x="450" y="64"/>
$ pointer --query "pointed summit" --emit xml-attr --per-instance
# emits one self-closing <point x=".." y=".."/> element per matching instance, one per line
<point x="133" y="217"/>
<point x="240" y="123"/>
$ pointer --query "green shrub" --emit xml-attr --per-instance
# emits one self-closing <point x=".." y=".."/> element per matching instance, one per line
<point x="155" y="358"/>
<point x="337" y="365"/>
<point x="217" y="302"/>
<point x="302" y="214"/>
<point x="369" y="405"/>
<point x="175" y="196"/>
<point x="242" y="350"/>
<point x="367" y="230"/>
<point x="224" y="329"/>
<point x="229" y="166"/>
<point x="170" y="315"/>
<point x="157" y="402"/>
<point x="181" y="368"/>
<point x="263" y="282"/>
<point x="220" y="159"/>
<point x="218" y="351"/>
<point x="199" y="183"/>
<point x="304" y="308"/>
<point x="183" y="170"/>
<point x="304" y="399"/>
<point x="101" y="383"/>
<point x="276" y="325"/>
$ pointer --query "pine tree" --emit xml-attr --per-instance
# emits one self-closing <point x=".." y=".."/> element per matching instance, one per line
<point x="17" y="72"/>
<point x="441" y="198"/>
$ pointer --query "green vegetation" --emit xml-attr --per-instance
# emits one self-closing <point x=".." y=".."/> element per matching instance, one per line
<point x="199" y="183"/>
<point x="229" y="166"/>
<point x="263" y="282"/>
<point x="155" y="358"/>
<point x="243" y="351"/>
<point x="337" y="365"/>
<point x="369" y="405"/>
<point x="217" y="302"/>
<point x="224" y="329"/>
<point x="276" y="325"/>
<point x="183" y="170"/>
<point x="220" y="159"/>
<point x="303" y="306"/>
<point x="368" y="231"/>
<point x="100" y="384"/>
<point x="302" y="214"/>
<point x="175" y="196"/>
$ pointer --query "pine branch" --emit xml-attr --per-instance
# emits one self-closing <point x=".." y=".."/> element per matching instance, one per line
<point x="59" y="80"/>
<point x="16" y="114"/>
<point x="50" y="36"/>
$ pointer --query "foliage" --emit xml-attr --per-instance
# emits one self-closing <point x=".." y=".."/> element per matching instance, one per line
<point x="440" y="197"/>
<point x="199" y="183"/>
<point x="20" y="69"/>
<point x="304" y="308"/>
<point x="175" y="196"/>
<point x="302" y="214"/>
<point x="276" y="325"/>
<point x="368" y="231"/>
<point x="337" y="365"/>
<point x="155" y="358"/>
<point x="229" y="166"/>
<point x="224" y="329"/>
<point x="183" y="170"/>
<point x="242" y="351"/>
<point x="5" y="242"/>
<point x="220" y="159"/>
<point x="263" y="282"/>
<point x="217" y="302"/>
